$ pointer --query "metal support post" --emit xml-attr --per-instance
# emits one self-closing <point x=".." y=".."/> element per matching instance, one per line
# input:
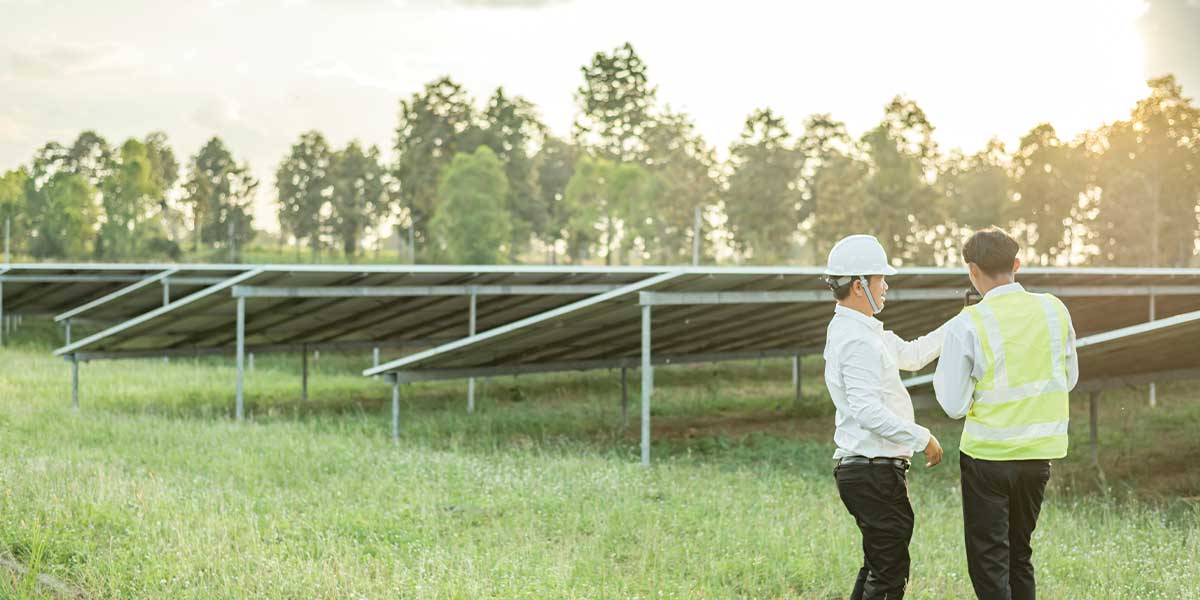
<point x="1153" y="387"/>
<point x="1093" y="425"/>
<point x="647" y="385"/>
<point x="375" y="358"/>
<point x="67" y="331"/>
<point x="796" y="379"/>
<point x="395" y="409"/>
<point x="304" y="372"/>
<point x="166" y="285"/>
<point x="471" y="331"/>
<point x="74" y="382"/>
<point x="249" y="365"/>
<point x="624" y="397"/>
<point x="241" y="355"/>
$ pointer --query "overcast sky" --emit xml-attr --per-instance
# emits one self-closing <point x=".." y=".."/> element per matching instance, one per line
<point x="260" y="72"/>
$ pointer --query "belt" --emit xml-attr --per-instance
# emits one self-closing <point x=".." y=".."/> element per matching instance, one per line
<point x="862" y="460"/>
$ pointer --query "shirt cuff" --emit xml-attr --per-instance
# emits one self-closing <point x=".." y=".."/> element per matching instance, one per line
<point x="922" y="439"/>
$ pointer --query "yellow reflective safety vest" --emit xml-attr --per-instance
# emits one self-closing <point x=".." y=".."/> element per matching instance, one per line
<point x="1020" y="406"/>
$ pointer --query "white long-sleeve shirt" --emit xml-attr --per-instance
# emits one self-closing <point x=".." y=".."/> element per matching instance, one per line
<point x="874" y="415"/>
<point x="962" y="363"/>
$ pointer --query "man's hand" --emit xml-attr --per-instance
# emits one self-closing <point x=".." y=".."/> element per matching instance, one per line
<point x="933" y="452"/>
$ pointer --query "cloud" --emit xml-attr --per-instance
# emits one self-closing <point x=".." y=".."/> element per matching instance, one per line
<point x="68" y="59"/>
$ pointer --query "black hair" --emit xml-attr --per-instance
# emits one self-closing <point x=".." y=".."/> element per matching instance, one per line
<point x="992" y="250"/>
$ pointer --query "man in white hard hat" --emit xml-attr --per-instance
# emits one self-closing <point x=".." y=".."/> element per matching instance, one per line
<point x="876" y="432"/>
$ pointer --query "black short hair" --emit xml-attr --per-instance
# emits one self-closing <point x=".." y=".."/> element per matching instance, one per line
<point x="841" y="292"/>
<point x="992" y="250"/>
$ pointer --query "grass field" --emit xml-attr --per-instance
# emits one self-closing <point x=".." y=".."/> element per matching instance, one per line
<point x="150" y="490"/>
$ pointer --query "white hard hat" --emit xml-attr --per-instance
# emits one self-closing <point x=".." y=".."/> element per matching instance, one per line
<point x="858" y="255"/>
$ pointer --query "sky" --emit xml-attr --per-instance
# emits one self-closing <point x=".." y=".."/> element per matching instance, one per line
<point x="258" y="73"/>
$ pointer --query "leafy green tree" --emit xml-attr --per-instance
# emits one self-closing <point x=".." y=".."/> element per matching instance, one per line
<point x="130" y="192"/>
<point x="554" y="165"/>
<point x="360" y="195"/>
<point x="1048" y="182"/>
<point x="763" y="202"/>
<point x="305" y="182"/>
<point x="435" y="125"/>
<point x="220" y="193"/>
<point x="61" y="213"/>
<point x="615" y="104"/>
<point x="824" y="148"/>
<point x="610" y="208"/>
<point x="512" y="129"/>
<point x="91" y="157"/>
<point x="905" y="212"/>
<point x="472" y="223"/>
<point x="1149" y="172"/>
<point x="13" y="205"/>
<point x="685" y="167"/>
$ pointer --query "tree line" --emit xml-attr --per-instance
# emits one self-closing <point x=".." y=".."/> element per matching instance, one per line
<point x="471" y="182"/>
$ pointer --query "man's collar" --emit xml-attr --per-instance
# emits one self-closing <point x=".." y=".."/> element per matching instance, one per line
<point x="1001" y="290"/>
<point x="844" y="311"/>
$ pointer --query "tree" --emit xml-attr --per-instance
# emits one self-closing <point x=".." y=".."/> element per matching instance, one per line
<point x="435" y="125"/>
<point x="359" y="195"/>
<point x="92" y="158"/>
<point x="610" y="208"/>
<point x="824" y="148"/>
<point x="1149" y="174"/>
<point x="472" y="225"/>
<point x="305" y="185"/>
<point x="129" y="193"/>
<point x="1047" y="182"/>
<point x="615" y="102"/>
<point x="512" y="129"/>
<point x="13" y="208"/>
<point x="903" y="209"/>
<point x="61" y="213"/>
<point x="763" y="202"/>
<point x="684" y="166"/>
<point x="220" y="193"/>
<point x="554" y="165"/>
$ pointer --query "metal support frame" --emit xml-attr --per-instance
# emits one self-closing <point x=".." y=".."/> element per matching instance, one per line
<point x="375" y="358"/>
<point x="67" y="331"/>
<point x="624" y="397"/>
<point x="796" y="379"/>
<point x="395" y="409"/>
<point x="1093" y="425"/>
<point x="647" y="385"/>
<point x="241" y="351"/>
<point x="249" y="362"/>
<point x="166" y="290"/>
<point x="74" y="382"/>
<point x="798" y="296"/>
<point x="106" y="279"/>
<point x="129" y="289"/>
<point x="304" y="372"/>
<point x="394" y="291"/>
<point x="1153" y="387"/>
<point x="471" y="332"/>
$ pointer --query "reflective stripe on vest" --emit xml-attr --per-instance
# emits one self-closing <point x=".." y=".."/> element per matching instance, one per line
<point x="1020" y="407"/>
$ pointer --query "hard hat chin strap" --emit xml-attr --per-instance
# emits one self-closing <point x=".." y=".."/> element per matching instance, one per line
<point x="866" y="285"/>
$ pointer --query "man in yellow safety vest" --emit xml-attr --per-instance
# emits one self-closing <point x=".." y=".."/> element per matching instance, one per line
<point x="1007" y="365"/>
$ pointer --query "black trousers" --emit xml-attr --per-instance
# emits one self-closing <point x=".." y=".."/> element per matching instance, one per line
<point x="1001" y="503"/>
<point x="877" y="496"/>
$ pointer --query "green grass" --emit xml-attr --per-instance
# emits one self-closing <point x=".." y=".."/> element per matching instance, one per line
<point x="151" y="490"/>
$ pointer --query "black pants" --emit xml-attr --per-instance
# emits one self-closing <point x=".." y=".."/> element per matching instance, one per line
<point x="1001" y="502"/>
<point x="877" y="496"/>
